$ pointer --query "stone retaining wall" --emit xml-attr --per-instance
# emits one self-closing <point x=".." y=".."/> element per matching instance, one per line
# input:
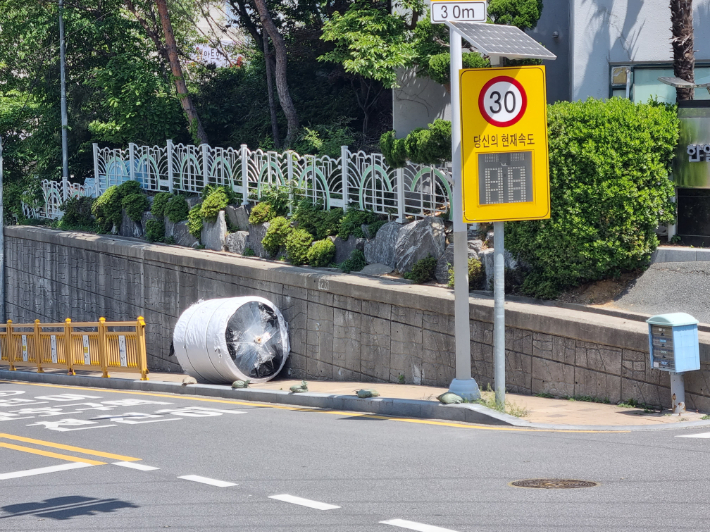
<point x="342" y="327"/>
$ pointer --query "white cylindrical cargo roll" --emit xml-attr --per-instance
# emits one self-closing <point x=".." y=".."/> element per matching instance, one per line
<point x="238" y="338"/>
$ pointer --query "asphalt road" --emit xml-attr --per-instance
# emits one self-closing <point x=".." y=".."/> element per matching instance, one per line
<point x="88" y="459"/>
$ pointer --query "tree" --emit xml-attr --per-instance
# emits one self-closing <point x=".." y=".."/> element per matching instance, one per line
<point x="682" y="41"/>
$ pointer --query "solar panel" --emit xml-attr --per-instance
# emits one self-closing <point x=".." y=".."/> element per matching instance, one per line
<point x="496" y="39"/>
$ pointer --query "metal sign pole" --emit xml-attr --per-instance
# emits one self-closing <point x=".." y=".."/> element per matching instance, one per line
<point x="463" y="385"/>
<point x="2" y="243"/>
<point x="63" y="105"/>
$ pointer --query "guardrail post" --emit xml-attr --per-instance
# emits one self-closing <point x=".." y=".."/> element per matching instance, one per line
<point x="245" y="175"/>
<point x="205" y="165"/>
<point x="170" y="165"/>
<point x="10" y="346"/>
<point x="400" y="195"/>
<point x="289" y="162"/>
<point x="68" y="355"/>
<point x="142" y="357"/>
<point x="131" y="161"/>
<point x="103" y="348"/>
<point x="97" y="184"/>
<point x="38" y="348"/>
<point x="344" y="164"/>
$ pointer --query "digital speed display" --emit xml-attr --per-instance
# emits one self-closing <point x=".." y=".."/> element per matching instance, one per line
<point x="505" y="177"/>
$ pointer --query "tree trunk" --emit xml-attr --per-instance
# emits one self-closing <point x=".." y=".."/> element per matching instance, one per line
<point x="270" y="88"/>
<point x="185" y="100"/>
<point x="281" y="79"/>
<point x="683" y="57"/>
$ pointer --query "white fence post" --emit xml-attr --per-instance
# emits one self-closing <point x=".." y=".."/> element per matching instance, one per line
<point x="131" y="161"/>
<point x="400" y="195"/>
<point x="170" y="165"/>
<point x="97" y="183"/>
<point x="245" y="175"/>
<point x="205" y="165"/>
<point x="289" y="182"/>
<point x="344" y="163"/>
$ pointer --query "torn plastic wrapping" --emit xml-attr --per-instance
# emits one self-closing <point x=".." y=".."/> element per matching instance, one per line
<point x="223" y="340"/>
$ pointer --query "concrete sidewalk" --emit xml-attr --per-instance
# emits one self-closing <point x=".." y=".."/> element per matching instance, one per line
<point x="396" y="400"/>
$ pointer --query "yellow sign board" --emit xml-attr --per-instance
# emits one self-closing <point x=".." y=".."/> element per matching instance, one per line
<point x="504" y="144"/>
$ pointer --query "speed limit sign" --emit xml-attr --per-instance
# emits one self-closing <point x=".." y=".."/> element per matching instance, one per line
<point x="504" y="144"/>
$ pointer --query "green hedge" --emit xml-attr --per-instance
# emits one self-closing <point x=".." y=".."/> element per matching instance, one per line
<point x="424" y="146"/>
<point x="609" y="167"/>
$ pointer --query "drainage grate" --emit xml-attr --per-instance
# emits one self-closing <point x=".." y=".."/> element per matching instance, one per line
<point x="553" y="483"/>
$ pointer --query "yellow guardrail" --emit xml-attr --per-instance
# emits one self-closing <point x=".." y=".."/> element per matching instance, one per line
<point x="118" y="346"/>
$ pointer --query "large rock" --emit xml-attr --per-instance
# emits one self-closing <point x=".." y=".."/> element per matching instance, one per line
<point x="193" y="200"/>
<point x="418" y="240"/>
<point x="237" y="242"/>
<point x="129" y="227"/>
<point x="214" y="234"/>
<point x="376" y="269"/>
<point x="238" y="217"/>
<point x="381" y="249"/>
<point x="181" y="234"/>
<point x="487" y="259"/>
<point x="256" y="235"/>
<point x="343" y="248"/>
<point x="446" y="261"/>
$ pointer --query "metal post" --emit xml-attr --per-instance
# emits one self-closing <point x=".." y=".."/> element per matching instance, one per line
<point x="245" y="176"/>
<point x="344" y="160"/>
<point x="170" y="165"/>
<point x="97" y="185"/>
<point x="672" y="227"/>
<point x="677" y="392"/>
<point x="131" y="161"/>
<point x="2" y="243"/>
<point x="63" y="89"/>
<point x="463" y="385"/>
<point x="400" y="195"/>
<point x="205" y="165"/>
<point x="499" y="311"/>
<point x="291" y="199"/>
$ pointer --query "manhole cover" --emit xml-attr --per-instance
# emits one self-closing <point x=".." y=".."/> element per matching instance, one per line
<point x="553" y="483"/>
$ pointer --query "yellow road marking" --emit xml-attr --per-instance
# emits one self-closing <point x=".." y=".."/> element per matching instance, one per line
<point x="65" y="457"/>
<point x="71" y="448"/>
<point x="337" y="412"/>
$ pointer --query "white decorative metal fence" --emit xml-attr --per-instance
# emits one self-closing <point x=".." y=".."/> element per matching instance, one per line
<point x="352" y="180"/>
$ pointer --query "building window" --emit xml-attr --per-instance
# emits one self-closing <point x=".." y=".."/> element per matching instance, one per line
<point x="643" y="84"/>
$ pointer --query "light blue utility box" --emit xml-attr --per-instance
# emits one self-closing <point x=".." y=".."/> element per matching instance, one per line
<point x="673" y="342"/>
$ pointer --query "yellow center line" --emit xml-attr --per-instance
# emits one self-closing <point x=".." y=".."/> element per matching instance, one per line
<point x="336" y="412"/>
<point x="71" y="448"/>
<point x="65" y="457"/>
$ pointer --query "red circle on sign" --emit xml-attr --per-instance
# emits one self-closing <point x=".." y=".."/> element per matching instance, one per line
<point x="484" y="111"/>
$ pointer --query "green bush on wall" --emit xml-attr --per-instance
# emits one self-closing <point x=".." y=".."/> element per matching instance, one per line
<point x="108" y="207"/>
<point x="77" y="212"/>
<point x="423" y="270"/>
<point x="609" y="167"/>
<point x="194" y="221"/>
<point x="297" y="244"/>
<point x="352" y="223"/>
<point x="177" y="209"/>
<point x="160" y="201"/>
<point x="261" y="213"/>
<point x="423" y="146"/>
<point x="155" y="230"/>
<point x="214" y="203"/>
<point x="321" y="253"/>
<point x="318" y="222"/>
<point x="135" y="205"/>
<point x="276" y="235"/>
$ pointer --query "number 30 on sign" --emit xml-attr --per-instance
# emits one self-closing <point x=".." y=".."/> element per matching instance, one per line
<point x="504" y="144"/>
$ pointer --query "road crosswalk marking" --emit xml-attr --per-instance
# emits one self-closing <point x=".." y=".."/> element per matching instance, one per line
<point x="210" y="481"/>
<point x="701" y="435"/>
<point x="411" y="525"/>
<point x="284" y="497"/>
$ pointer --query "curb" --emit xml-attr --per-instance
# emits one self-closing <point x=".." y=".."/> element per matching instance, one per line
<point x="465" y="413"/>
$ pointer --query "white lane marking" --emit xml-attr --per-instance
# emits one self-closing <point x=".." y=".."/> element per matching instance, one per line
<point x="134" y="465"/>
<point x="701" y="435"/>
<point x="210" y="481"/>
<point x="303" y="502"/>
<point x="411" y="525"/>
<point x="43" y="470"/>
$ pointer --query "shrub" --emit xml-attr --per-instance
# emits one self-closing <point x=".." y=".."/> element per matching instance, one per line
<point x="129" y="187"/>
<point x="233" y="198"/>
<point x="135" y="205"/>
<point x="374" y="227"/>
<point x="160" y="201"/>
<point x="476" y="275"/>
<point x="261" y="213"/>
<point x="315" y="220"/>
<point x="354" y="263"/>
<point x="248" y="252"/>
<point x="77" y="212"/>
<point x="297" y="244"/>
<point x="194" y="221"/>
<point x="279" y="197"/>
<point x="321" y="253"/>
<point x="440" y="66"/>
<point x="155" y="230"/>
<point x="214" y="203"/>
<point x="107" y="209"/>
<point x="351" y="222"/>
<point x="423" y="270"/>
<point x="424" y="146"/>
<point x="609" y="167"/>
<point x="177" y="209"/>
<point x="276" y="234"/>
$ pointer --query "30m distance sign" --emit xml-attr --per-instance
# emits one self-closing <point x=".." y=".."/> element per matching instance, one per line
<point x="458" y="11"/>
